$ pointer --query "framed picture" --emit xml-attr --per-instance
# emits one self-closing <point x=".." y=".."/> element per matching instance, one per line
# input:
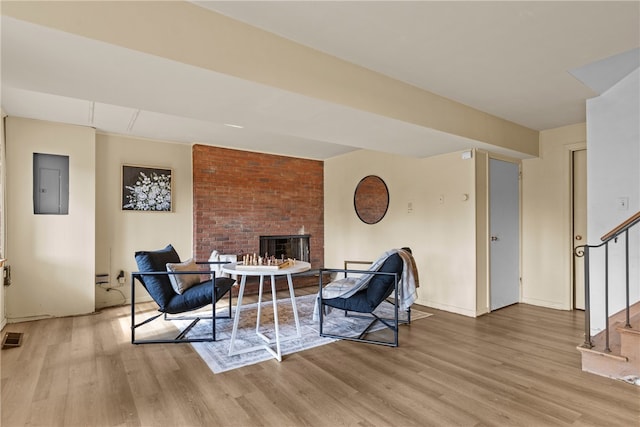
<point x="146" y="189"/>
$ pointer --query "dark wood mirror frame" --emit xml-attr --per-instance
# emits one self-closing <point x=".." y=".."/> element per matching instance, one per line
<point x="371" y="199"/>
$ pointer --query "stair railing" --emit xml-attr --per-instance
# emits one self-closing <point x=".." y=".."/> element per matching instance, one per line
<point x="584" y="251"/>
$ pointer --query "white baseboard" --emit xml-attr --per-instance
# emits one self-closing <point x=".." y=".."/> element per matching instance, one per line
<point x="102" y="301"/>
<point x="449" y="308"/>
<point x="31" y="318"/>
<point x="544" y="303"/>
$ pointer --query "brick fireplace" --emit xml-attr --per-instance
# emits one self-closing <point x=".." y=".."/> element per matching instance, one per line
<point x="239" y="196"/>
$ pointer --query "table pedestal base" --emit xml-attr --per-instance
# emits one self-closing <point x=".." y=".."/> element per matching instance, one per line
<point x="277" y="354"/>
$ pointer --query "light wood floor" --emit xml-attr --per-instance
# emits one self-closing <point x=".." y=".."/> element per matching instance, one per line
<point x="517" y="366"/>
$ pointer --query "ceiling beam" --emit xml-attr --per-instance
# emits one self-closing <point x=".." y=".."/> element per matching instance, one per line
<point x="184" y="32"/>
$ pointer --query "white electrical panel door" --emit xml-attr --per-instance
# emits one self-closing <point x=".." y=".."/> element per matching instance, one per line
<point x="50" y="184"/>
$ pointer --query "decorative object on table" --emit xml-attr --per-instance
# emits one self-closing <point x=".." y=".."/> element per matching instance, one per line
<point x="216" y="354"/>
<point x="266" y="263"/>
<point x="146" y="189"/>
<point x="187" y="296"/>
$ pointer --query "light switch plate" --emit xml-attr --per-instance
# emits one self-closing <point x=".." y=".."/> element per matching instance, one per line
<point x="623" y="203"/>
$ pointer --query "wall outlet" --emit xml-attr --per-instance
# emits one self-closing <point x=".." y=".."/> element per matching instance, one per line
<point x="121" y="278"/>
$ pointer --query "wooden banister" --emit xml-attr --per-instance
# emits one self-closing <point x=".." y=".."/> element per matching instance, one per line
<point x="623" y="226"/>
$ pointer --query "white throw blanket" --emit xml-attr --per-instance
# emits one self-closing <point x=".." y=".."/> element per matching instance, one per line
<point x="407" y="283"/>
<point x="217" y="268"/>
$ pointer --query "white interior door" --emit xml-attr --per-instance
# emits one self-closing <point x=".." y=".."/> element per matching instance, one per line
<point x="579" y="223"/>
<point x="504" y="229"/>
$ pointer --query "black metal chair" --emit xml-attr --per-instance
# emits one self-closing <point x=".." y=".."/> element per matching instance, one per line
<point x="382" y="285"/>
<point x="155" y="278"/>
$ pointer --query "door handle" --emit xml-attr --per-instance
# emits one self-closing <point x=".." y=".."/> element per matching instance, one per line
<point x="578" y="237"/>
<point x="494" y="238"/>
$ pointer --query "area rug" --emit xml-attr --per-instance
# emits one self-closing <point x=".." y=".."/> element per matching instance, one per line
<point x="216" y="354"/>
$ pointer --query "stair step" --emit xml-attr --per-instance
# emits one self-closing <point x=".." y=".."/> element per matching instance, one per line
<point x="633" y="330"/>
<point x="602" y="353"/>
<point x="634" y="312"/>
<point x="608" y="364"/>
<point x="598" y="352"/>
<point x="623" y="359"/>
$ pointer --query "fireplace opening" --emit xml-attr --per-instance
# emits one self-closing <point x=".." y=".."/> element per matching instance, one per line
<point x="289" y="246"/>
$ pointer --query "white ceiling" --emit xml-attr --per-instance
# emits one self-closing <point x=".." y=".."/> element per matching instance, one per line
<point x="510" y="59"/>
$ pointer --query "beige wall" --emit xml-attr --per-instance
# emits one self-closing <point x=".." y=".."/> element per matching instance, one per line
<point x="482" y="232"/>
<point x="441" y="235"/>
<point x="546" y="219"/>
<point x="51" y="256"/>
<point x="3" y="240"/>
<point x="120" y="233"/>
<point x="448" y="239"/>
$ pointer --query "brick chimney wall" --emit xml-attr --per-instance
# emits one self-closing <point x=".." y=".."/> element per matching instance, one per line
<point x="239" y="196"/>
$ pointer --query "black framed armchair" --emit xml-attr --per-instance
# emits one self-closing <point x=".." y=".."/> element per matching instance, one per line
<point x="383" y="284"/>
<point x="177" y="289"/>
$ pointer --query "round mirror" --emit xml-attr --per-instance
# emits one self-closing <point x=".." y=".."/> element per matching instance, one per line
<point x="371" y="199"/>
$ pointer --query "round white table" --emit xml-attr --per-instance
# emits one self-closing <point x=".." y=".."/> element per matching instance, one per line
<point x="235" y="269"/>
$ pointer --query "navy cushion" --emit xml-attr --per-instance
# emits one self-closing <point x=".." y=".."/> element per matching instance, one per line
<point x="357" y="302"/>
<point x="158" y="286"/>
<point x="198" y="296"/>
<point x="382" y="285"/>
<point x="379" y="288"/>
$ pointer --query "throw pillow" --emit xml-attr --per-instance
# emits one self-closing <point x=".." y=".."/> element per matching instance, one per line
<point x="182" y="282"/>
<point x="158" y="286"/>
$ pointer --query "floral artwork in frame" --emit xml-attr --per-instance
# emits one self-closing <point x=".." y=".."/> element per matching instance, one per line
<point x="146" y="189"/>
